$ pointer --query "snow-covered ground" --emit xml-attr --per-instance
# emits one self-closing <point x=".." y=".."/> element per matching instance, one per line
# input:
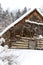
<point x="20" y="57"/>
<point x="30" y="57"/>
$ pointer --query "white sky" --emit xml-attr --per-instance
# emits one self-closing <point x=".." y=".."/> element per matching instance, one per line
<point x="14" y="4"/>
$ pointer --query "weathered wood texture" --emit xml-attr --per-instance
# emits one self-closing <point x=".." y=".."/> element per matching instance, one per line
<point x="23" y="29"/>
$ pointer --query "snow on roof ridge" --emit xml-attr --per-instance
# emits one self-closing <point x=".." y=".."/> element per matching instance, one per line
<point x="15" y="22"/>
<point x="39" y="11"/>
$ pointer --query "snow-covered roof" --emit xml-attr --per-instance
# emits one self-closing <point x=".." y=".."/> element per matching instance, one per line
<point x="40" y="12"/>
<point x="18" y="20"/>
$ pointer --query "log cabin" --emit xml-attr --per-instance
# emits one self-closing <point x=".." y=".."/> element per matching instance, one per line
<point x="23" y="34"/>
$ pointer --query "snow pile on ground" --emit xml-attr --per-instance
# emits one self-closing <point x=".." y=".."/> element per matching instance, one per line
<point x="7" y="57"/>
<point x="20" y="57"/>
<point x="30" y="57"/>
<point x="40" y="36"/>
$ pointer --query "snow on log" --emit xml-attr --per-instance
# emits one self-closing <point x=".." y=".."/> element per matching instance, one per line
<point x="32" y="22"/>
